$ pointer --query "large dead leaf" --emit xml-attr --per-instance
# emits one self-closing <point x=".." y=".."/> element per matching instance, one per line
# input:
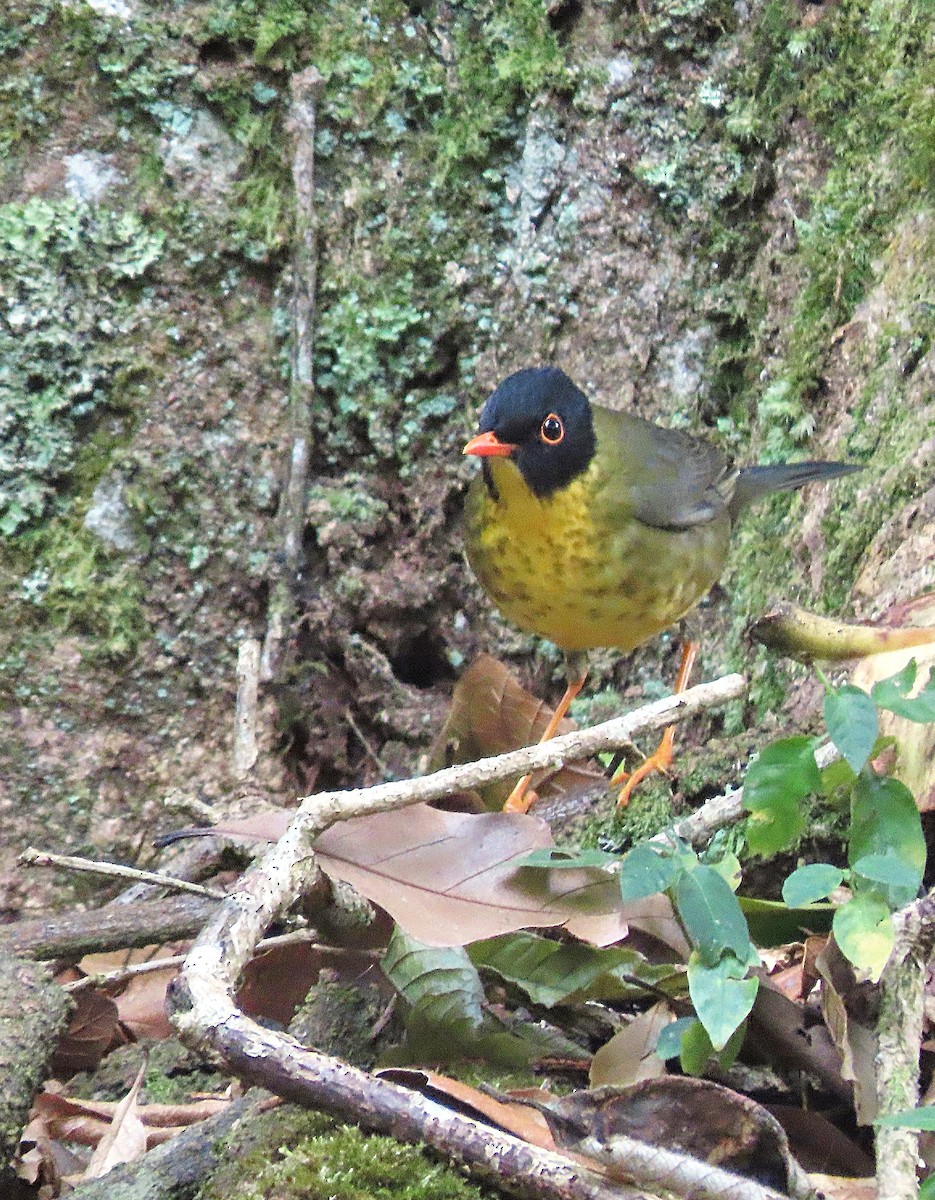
<point x="452" y="878"/>
<point x="125" y="1139"/>
<point x="630" y="1055"/>
<point x="709" y="1122"/>
<point x="492" y="713"/>
<point x="94" y="1025"/>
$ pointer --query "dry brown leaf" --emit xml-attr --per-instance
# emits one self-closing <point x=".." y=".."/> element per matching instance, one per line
<point x="819" y="1144"/>
<point x="492" y="713"/>
<point x="94" y="1026"/>
<point x="141" y="1005"/>
<point x="856" y="1042"/>
<point x="125" y="1139"/>
<point x="630" y="1055"/>
<point x="709" y="1122"/>
<point x="520" y="1120"/>
<point x="452" y="878"/>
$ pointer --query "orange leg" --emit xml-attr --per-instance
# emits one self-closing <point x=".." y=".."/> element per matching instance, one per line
<point x="521" y="798"/>
<point x="661" y="758"/>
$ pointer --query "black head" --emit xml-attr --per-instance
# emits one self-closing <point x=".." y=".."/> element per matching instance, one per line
<point x="543" y="422"/>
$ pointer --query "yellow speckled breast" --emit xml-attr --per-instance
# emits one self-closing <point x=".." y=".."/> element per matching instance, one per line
<point x="578" y="569"/>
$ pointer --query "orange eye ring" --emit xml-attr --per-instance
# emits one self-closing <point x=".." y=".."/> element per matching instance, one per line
<point x="552" y="430"/>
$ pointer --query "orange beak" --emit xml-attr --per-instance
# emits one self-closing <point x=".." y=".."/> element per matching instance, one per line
<point x="486" y="445"/>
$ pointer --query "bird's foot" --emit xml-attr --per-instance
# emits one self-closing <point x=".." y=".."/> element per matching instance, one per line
<point x="521" y="798"/>
<point x="660" y="760"/>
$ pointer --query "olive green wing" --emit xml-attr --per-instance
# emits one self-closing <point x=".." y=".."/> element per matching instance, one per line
<point x="664" y="477"/>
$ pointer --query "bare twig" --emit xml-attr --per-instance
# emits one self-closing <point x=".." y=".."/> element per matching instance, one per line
<point x="248" y="681"/>
<point x="43" y="858"/>
<point x="899" y="1035"/>
<point x="328" y="807"/>
<point x="205" y="1014"/>
<point x="123" y="974"/>
<point x="301" y="124"/>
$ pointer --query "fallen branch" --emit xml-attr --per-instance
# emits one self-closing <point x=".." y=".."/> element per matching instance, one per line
<point x="899" y="1038"/>
<point x="43" y="858"/>
<point x="114" y="927"/>
<point x="203" y="1010"/>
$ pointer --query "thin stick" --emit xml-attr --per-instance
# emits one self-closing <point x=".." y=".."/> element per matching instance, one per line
<point x="43" y="858"/>
<point x="301" y="124"/>
<point x="245" y="718"/>
<point x="327" y="807"/>
<point x="104" y="979"/>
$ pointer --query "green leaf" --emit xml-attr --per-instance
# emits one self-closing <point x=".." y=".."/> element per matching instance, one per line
<point x="712" y="916"/>
<point x="911" y="1118"/>
<point x="443" y="984"/>
<point x="669" y="1043"/>
<point x="645" y="871"/>
<point x="851" y="718"/>
<point x="445" y="1020"/>
<point x="776" y="783"/>
<point x="887" y="869"/>
<point x="722" y="995"/>
<point x="836" y="775"/>
<point x="550" y="972"/>
<point x="893" y="695"/>
<point x="696" y="1051"/>
<point x="863" y="929"/>
<point x="885" y="821"/>
<point x="811" y="883"/>
<point x="555" y="857"/>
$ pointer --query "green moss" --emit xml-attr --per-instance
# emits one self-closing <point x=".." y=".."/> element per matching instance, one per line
<point x="298" y="1154"/>
<point x="70" y="582"/>
<point x="69" y="276"/>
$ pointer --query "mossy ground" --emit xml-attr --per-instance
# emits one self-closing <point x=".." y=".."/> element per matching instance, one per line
<point x="294" y="1153"/>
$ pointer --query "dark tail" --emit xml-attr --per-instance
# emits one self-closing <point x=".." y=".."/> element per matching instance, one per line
<point x="754" y="482"/>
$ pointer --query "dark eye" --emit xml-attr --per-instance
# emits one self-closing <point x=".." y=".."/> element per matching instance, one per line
<point x="551" y="431"/>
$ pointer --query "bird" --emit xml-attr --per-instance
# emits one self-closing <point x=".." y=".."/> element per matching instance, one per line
<point x="593" y="527"/>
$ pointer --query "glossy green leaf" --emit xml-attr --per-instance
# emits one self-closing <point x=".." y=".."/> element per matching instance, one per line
<point x="887" y="869"/>
<point x="646" y="871"/>
<point x="885" y="821"/>
<point x="776" y="783"/>
<point x="696" y="1051"/>
<point x="863" y="929"/>
<point x="551" y="972"/>
<point x="893" y="695"/>
<point x="722" y="995"/>
<point x="911" y="1118"/>
<point x="712" y="916"/>
<point x="811" y="883"/>
<point x="851" y="719"/>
